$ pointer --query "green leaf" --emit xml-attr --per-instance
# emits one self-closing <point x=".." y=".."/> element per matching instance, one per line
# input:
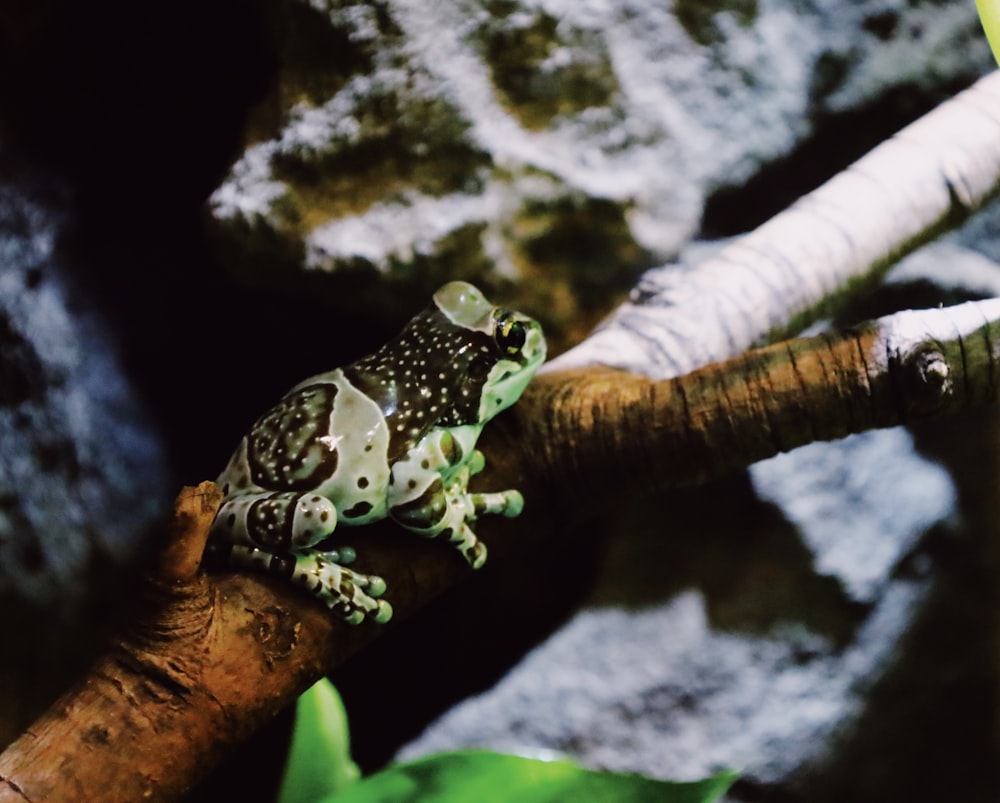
<point x="989" y="14"/>
<point x="319" y="758"/>
<point x="495" y="778"/>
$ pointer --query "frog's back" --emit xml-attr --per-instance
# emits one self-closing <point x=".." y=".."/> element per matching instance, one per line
<point x="324" y="437"/>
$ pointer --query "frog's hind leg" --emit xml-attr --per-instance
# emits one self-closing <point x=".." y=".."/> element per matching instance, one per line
<point x="350" y="594"/>
<point x="276" y="522"/>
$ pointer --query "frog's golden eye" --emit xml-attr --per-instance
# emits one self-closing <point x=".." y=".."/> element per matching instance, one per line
<point x="509" y="334"/>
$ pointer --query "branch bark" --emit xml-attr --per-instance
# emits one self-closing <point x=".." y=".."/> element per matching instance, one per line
<point x="602" y="431"/>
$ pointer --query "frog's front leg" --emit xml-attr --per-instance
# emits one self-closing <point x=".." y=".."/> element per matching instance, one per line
<point x="429" y="510"/>
<point x="428" y="491"/>
<point x="503" y="503"/>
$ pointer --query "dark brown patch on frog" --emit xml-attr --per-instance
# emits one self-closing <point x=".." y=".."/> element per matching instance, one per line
<point x="285" y="448"/>
<point x="282" y="565"/>
<point x="270" y="520"/>
<point x="358" y="510"/>
<point x="434" y="367"/>
<point x="451" y="449"/>
<point x="424" y="512"/>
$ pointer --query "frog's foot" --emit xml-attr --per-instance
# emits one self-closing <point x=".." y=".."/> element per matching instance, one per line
<point x="350" y="594"/>
<point x="505" y="503"/>
<point x="275" y="522"/>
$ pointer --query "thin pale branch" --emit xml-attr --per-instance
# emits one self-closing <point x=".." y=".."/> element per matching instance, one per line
<point x="769" y="283"/>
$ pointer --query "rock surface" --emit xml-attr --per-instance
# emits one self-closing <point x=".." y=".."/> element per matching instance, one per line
<point x="670" y="686"/>
<point x="561" y="147"/>
<point x="82" y="473"/>
<point x="81" y="470"/>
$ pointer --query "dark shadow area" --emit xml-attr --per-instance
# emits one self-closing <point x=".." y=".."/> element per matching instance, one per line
<point x="141" y="109"/>
<point x="464" y="642"/>
<point x="750" y="563"/>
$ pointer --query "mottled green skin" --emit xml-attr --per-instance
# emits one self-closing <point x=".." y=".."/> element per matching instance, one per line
<point x="391" y="436"/>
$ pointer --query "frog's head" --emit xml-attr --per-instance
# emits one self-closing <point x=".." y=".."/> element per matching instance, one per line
<point x="496" y="352"/>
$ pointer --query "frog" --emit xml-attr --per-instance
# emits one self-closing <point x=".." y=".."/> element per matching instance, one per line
<point x="390" y="436"/>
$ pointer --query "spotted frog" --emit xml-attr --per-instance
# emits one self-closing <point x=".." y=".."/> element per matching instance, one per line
<point x="392" y="435"/>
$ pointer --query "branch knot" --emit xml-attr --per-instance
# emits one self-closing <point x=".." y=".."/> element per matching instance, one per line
<point x="926" y="379"/>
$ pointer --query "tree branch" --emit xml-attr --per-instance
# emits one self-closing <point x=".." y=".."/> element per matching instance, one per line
<point x="208" y="660"/>
<point x="602" y="431"/>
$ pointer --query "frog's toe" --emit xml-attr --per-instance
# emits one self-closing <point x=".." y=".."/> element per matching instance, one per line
<point x="477" y="462"/>
<point x="354" y="617"/>
<point x="382" y="612"/>
<point x="376" y="586"/>
<point x="514" y="504"/>
<point x="476" y="555"/>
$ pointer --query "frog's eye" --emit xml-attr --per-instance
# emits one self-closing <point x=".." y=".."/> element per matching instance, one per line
<point x="509" y="335"/>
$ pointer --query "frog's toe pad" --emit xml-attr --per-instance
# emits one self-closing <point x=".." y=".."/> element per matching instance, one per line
<point x="476" y="555"/>
<point x="515" y="504"/>
<point x="382" y="613"/>
<point x="375" y="586"/>
<point x="354" y="617"/>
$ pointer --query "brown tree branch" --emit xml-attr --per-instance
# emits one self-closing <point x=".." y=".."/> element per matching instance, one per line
<point x="602" y="431"/>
